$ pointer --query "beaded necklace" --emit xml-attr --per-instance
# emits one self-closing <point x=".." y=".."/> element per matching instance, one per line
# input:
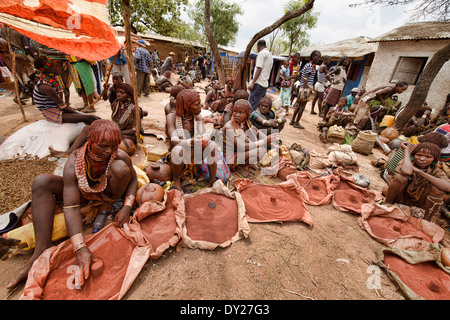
<point x="81" y="171"/>
<point x="48" y="77"/>
<point x="181" y="132"/>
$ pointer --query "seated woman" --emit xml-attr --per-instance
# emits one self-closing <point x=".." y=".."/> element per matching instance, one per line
<point x="124" y="114"/>
<point x="228" y="91"/>
<point x="338" y="115"/>
<point x="212" y="95"/>
<point x="163" y="82"/>
<point x="48" y="98"/>
<point x="265" y="118"/>
<point x="189" y="145"/>
<point x="95" y="176"/>
<point x="418" y="181"/>
<point x="243" y="143"/>
<point x="238" y="95"/>
<point x="418" y="124"/>
<point x="171" y="106"/>
<point x="443" y="116"/>
<point x="222" y="109"/>
<point x="396" y="157"/>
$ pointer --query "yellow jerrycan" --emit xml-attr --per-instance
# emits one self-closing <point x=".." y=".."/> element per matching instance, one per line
<point x="26" y="233"/>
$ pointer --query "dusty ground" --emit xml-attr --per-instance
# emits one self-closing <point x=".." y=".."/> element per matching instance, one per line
<point x="288" y="261"/>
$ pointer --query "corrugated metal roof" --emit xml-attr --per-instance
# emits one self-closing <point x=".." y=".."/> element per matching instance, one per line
<point x="418" y="31"/>
<point x="171" y="39"/>
<point x="153" y="36"/>
<point x="352" y="48"/>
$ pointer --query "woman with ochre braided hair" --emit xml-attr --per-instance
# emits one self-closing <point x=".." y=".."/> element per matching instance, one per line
<point x="419" y="181"/>
<point x="244" y="143"/>
<point x="95" y="176"/>
<point x="189" y="145"/>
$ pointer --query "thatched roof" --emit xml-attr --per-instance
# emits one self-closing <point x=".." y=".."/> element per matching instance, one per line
<point x="435" y="30"/>
<point x="352" y="48"/>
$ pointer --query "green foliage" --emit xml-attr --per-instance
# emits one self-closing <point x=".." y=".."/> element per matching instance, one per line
<point x="295" y="31"/>
<point x="223" y="20"/>
<point x="159" y="16"/>
<point x="185" y="31"/>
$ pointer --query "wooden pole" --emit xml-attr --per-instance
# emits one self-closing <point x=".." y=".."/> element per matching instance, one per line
<point x="16" y="86"/>
<point x="131" y="68"/>
<point x="100" y="96"/>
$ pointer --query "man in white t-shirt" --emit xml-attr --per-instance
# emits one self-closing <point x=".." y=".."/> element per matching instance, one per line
<point x="260" y="82"/>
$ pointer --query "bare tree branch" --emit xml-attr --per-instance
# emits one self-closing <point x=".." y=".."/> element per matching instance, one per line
<point x="420" y="92"/>
<point x="240" y="81"/>
<point x="426" y="9"/>
<point x="213" y="43"/>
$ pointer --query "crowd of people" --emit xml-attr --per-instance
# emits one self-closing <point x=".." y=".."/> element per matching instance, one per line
<point x="247" y="125"/>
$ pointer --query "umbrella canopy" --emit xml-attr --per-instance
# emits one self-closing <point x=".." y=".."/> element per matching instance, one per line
<point x="76" y="27"/>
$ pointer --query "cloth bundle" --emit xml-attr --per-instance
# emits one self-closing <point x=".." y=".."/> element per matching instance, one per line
<point x="154" y="228"/>
<point x="270" y="203"/>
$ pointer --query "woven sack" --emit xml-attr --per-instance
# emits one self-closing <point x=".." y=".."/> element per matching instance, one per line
<point x="336" y="134"/>
<point x="364" y="142"/>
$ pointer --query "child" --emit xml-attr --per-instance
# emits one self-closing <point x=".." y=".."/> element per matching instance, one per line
<point x="238" y="95"/>
<point x="212" y="95"/>
<point x="285" y="91"/>
<point x="419" y="123"/>
<point x="337" y="115"/>
<point x="264" y="117"/>
<point x="110" y="92"/>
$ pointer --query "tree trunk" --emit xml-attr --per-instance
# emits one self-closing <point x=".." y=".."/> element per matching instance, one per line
<point x="131" y="68"/>
<point x="240" y="81"/>
<point x="213" y="43"/>
<point x="14" y="70"/>
<point x="423" y="85"/>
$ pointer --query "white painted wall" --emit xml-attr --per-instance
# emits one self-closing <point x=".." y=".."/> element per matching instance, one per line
<point x="386" y="59"/>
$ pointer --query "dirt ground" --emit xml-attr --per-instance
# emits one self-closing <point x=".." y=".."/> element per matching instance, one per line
<point x="288" y="261"/>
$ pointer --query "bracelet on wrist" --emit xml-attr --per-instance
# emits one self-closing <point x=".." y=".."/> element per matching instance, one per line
<point x="129" y="200"/>
<point x="77" y="242"/>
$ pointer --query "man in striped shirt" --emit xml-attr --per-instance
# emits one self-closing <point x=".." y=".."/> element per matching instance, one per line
<point x="48" y="98"/>
<point x="305" y="88"/>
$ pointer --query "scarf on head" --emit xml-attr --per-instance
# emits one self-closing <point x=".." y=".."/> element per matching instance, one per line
<point x="48" y="77"/>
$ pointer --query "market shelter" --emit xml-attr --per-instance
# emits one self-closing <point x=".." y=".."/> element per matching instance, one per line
<point x="80" y="27"/>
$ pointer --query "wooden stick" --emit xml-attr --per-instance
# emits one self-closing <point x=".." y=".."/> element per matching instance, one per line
<point x="299" y="294"/>
<point x="104" y="89"/>
<point x="16" y="86"/>
<point x="131" y="68"/>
